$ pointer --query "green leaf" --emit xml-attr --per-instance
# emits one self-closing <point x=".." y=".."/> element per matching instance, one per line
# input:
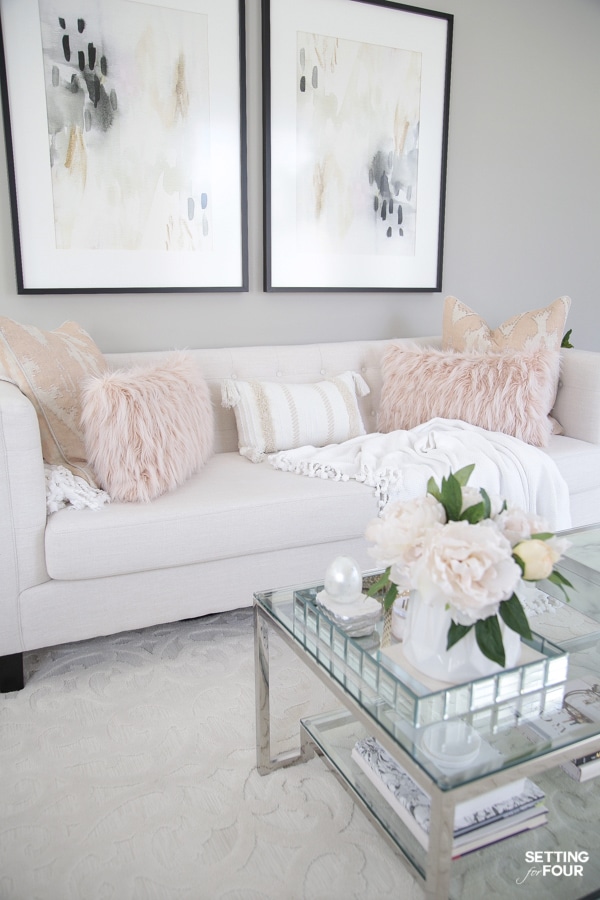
<point x="566" y="341"/>
<point x="455" y="633"/>
<point x="434" y="490"/>
<point x="381" y="583"/>
<point x="487" y="503"/>
<point x="452" y="498"/>
<point x="558" y="578"/>
<point x="473" y="514"/>
<point x="489" y="639"/>
<point x="392" y="593"/>
<point x="514" y="616"/>
<point x="561" y="582"/>
<point x="463" y="475"/>
<point x="542" y="536"/>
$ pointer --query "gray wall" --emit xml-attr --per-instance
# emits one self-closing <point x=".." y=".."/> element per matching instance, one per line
<point x="523" y="196"/>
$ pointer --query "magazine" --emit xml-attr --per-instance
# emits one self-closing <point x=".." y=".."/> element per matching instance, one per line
<point x="484" y="819"/>
<point x="499" y="831"/>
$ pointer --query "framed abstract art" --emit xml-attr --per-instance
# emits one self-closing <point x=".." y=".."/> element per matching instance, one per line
<point x="126" y="142"/>
<point x="356" y="96"/>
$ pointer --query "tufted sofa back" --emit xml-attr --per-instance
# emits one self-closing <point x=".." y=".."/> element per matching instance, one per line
<point x="298" y="363"/>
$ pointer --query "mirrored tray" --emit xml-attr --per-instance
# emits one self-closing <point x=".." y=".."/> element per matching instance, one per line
<point x="394" y="695"/>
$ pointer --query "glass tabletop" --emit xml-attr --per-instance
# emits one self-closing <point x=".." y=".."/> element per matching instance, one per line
<point x="583" y="556"/>
<point x="550" y="701"/>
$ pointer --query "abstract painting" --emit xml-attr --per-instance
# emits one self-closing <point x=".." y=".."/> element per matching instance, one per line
<point x="358" y="145"/>
<point x="124" y="76"/>
<point x="355" y="137"/>
<point x="141" y="106"/>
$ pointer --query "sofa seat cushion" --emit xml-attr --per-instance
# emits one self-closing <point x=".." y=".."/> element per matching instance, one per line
<point x="577" y="461"/>
<point x="231" y="508"/>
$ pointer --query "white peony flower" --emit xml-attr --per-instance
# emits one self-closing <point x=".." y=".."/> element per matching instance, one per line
<point x="470" y="567"/>
<point x="398" y="533"/>
<point x="470" y="497"/>
<point x="496" y="504"/>
<point x="518" y="525"/>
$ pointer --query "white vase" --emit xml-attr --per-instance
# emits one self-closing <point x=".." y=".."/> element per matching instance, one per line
<point x="425" y="638"/>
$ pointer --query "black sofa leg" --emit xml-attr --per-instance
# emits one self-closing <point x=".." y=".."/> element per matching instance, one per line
<point x="11" y="672"/>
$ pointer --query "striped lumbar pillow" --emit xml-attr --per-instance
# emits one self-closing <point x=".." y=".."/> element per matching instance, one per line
<point x="272" y="416"/>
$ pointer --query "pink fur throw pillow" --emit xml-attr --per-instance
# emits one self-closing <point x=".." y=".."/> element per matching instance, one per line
<point x="147" y="429"/>
<point x="510" y="391"/>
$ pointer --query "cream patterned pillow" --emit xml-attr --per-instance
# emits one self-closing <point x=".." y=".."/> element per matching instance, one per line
<point x="464" y="329"/>
<point x="271" y="416"/>
<point x="48" y="367"/>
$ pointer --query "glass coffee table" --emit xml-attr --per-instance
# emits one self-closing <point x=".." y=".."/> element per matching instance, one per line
<point x="527" y="720"/>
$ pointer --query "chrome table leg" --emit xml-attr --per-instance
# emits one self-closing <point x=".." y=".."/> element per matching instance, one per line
<point x="265" y="763"/>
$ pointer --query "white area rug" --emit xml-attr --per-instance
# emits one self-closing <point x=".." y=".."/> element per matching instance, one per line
<point x="127" y="770"/>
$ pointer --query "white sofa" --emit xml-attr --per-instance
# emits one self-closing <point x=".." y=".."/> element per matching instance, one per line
<point x="235" y="527"/>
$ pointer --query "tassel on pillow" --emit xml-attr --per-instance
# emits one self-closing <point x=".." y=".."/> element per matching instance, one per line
<point x="230" y="396"/>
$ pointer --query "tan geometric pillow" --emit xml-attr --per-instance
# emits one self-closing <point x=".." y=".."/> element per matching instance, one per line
<point x="464" y="329"/>
<point x="48" y="367"/>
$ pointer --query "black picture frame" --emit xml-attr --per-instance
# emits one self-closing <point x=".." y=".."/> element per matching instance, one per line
<point x="125" y="126"/>
<point x="354" y="169"/>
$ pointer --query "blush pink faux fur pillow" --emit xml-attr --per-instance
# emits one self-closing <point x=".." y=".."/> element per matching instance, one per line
<point x="147" y="429"/>
<point x="510" y="391"/>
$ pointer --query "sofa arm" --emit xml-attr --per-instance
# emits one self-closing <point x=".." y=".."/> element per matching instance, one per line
<point x="22" y="510"/>
<point x="577" y="405"/>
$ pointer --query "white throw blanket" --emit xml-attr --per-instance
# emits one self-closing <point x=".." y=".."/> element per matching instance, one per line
<point x="65" y="489"/>
<point x="399" y="464"/>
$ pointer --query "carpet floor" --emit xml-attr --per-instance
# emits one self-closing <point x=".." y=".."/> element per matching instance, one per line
<point x="127" y="772"/>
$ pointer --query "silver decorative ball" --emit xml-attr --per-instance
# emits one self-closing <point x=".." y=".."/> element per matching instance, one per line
<point x="343" y="579"/>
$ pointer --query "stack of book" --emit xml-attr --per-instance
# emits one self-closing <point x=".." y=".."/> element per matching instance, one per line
<point x="486" y="819"/>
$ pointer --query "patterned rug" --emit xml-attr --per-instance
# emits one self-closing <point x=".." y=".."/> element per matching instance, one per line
<point x="127" y="770"/>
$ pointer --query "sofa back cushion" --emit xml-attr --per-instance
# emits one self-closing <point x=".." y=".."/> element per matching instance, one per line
<point x="295" y="364"/>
